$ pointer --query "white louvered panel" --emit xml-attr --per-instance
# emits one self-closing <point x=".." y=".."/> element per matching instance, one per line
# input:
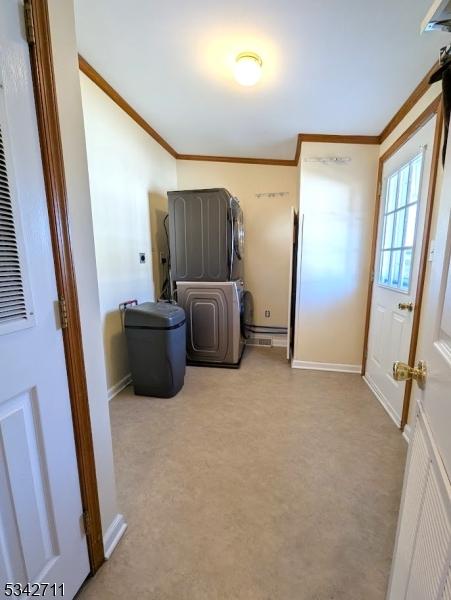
<point x="14" y="305"/>
<point x="447" y="588"/>
<point x="431" y="547"/>
<point x="413" y="493"/>
<point x="421" y="565"/>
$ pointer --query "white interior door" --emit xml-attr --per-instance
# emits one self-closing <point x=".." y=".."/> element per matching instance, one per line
<point x="405" y="183"/>
<point x="422" y="561"/>
<point x="41" y="535"/>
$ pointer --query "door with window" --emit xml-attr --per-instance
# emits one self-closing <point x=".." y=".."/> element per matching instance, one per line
<point x="405" y="184"/>
<point x="41" y="532"/>
<point x="422" y="559"/>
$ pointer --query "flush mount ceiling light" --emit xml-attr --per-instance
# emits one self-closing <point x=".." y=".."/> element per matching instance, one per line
<point x="248" y="68"/>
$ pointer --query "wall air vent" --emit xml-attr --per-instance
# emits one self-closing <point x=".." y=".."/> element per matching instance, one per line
<point x="438" y="17"/>
<point x="256" y="341"/>
<point x="14" y="297"/>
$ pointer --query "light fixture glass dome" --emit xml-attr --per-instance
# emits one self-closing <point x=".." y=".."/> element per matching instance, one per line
<point x="248" y="67"/>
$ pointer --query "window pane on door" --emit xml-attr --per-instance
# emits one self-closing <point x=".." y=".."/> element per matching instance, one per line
<point x="399" y="223"/>
<point x="406" y="269"/>
<point x="388" y="234"/>
<point x="403" y="185"/>
<point x="395" y="268"/>
<point x="415" y="176"/>
<point x="410" y="225"/>
<point x="385" y="268"/>
<point x="391" y="193"/>
<point x="399" y="228"/>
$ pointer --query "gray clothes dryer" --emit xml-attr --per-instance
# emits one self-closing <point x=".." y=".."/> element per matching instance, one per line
<point x="206" y="235"/>
<point x="213" y="321"/>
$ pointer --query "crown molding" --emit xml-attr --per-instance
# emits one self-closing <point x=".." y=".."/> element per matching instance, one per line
<point x="339" y="139"/>
<point x="417" y="93"/>
<point x="96" y="78"/>
<point x="281" y="162"/>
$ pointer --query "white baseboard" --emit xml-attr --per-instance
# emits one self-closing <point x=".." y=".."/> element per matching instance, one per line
<point x="113" y="535"/>
<point x="119" y="386"/>
<point x="389" y="410"/>
<point x="319" y="366"/>
<point x="407" y="433"/>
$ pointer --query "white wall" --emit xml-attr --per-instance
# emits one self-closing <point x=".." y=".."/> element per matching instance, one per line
<point x="415" y="112"/>
<point x="79" y="206"/>
<point x="266" y="221"/>
<point x="337" y="202"/>
<point x="129" y="175"/>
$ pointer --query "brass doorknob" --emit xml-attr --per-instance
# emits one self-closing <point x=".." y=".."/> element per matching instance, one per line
<point x="403" y="372"/>
<point x="406" y="306"/>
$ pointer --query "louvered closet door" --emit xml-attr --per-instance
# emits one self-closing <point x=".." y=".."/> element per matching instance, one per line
<point x="41" y="538"/>
<point x="422" y="560"/>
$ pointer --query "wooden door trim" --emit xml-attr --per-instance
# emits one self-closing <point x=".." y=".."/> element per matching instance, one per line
<point x="55" y="186"/>
<point x="423" y="259"/>
<point x="434" y="108"/>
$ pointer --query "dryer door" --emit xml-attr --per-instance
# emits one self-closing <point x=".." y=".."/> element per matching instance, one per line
<point x="238" y="241"/>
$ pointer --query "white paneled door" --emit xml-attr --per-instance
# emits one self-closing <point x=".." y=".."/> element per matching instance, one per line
<point x="405" y="183"/>
<point x="421" y="567"/>
<point x="41" y="534"/>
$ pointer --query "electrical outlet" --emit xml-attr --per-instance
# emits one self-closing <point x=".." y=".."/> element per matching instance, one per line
<point x="267" y="313"/>
<point x="142" y="257"/>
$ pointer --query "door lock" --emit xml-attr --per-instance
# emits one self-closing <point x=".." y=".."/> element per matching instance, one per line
<point x="403" y="372"/>
<point x="406" y="306"/>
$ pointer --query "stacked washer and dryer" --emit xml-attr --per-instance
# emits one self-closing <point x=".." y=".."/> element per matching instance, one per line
<point x="206" y="236"/>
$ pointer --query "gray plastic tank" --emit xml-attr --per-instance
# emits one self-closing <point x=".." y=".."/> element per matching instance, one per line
<point x="156" y="340"/>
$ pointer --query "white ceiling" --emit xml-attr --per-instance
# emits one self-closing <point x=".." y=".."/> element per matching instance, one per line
<point x="330" y="66"/>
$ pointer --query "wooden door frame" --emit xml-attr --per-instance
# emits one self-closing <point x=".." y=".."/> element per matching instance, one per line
<point x="38" y="33"/>
<point x="434" y="108"/>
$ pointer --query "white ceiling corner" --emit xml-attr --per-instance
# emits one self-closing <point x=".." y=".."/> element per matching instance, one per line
<point x="329" y="67"/>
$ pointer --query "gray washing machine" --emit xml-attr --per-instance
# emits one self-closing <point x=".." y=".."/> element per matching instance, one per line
<point x="213" y="321"/>
<point x="206" y="235"/>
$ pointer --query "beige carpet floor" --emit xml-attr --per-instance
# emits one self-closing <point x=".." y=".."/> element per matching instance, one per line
<point x="263" y="483"/>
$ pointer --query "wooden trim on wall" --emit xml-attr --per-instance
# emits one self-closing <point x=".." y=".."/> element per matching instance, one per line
<point x="55" y="186"/>
<point x="340" y="139"/>
<point x="280" y="162"/>
<point x="297" y="154"/>
<point x="436" y="155"/>
<point x="421" y="88"/>
<point x="301" y="137"/>
<point x="434" y="108"/>
<point x="96" y="78"/>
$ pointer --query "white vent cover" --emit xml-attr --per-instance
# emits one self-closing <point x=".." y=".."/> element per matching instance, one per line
<point x="14" y="307"/>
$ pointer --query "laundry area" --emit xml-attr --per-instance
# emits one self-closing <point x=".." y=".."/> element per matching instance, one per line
<point x="225" y="299"/>
<point x="238" y="317"/>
